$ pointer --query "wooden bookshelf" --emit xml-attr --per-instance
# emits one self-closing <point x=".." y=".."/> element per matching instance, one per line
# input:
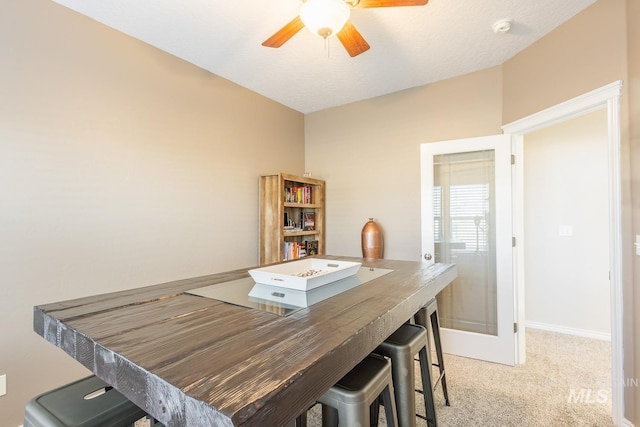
<point x="290" y="206"/>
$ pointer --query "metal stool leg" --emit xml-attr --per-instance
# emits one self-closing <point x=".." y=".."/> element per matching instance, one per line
<point x="357" y="415"/>
<point x="301" y="420"/>
<point x="425" y="373"/>
<point x="422" y="317"/>
<point x="403" y="374"/>
<point x="435" y="326"/>
<point x="389" y="406"/>
<point x="329" y="416"/>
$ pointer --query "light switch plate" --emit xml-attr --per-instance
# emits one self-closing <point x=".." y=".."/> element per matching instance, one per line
<point x="565" y="230"/>
<point x="3" y="384"/>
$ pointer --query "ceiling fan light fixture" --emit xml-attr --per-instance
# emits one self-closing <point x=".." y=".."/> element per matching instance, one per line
<point x="324" y="18"/>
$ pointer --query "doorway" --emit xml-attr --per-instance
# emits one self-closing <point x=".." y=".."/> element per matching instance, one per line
<point x="566" y="226"/>
<point x="566" y="222"/>
<point x="607" y="97"/>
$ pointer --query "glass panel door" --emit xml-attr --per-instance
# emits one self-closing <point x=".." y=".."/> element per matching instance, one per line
<point x="464" y="230"/>
<point x="467" y="221"/>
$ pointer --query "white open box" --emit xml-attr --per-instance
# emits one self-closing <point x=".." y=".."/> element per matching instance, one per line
<point x="293" y="297"/>
<point x="304" y="274"/>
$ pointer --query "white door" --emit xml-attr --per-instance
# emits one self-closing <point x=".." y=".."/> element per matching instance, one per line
<point x="467" y="220"/>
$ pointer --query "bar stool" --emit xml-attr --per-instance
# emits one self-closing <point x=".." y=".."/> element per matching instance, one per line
<point x="86" y="402"/>
<point x="401" y="347"/>
<point x="347" y="403"/>
<point x="431" y="311"/>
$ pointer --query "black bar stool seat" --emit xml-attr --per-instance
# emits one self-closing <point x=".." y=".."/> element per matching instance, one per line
<point x="347" y="403"/>
<point x="88" y="402"/>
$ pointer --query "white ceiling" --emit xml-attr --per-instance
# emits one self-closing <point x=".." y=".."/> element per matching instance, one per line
<point x="410" y="46"/>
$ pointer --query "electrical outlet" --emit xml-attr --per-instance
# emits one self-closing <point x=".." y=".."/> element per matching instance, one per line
<point x="3" y="384"/>
<point x="142" y="422"/>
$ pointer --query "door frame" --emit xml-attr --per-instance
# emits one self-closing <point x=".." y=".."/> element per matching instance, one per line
<point x="605" y="97"/>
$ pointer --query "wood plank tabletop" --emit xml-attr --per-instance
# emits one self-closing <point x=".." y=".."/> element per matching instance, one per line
<point x="193" y="361"/>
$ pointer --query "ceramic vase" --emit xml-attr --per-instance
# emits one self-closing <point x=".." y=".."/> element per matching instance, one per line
<point x="372" y="240"/>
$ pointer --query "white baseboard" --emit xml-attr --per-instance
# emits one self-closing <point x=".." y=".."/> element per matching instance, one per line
<point x="626" y="423"/>
<point x="568" y="331"/>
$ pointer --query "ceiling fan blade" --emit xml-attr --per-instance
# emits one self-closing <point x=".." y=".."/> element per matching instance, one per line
<point x="285" y="33"/>
<point x="352" y="40"/>
<point x="389" y="3"/>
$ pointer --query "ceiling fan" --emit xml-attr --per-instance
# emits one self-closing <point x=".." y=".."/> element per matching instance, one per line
<point x="326" y="18"/>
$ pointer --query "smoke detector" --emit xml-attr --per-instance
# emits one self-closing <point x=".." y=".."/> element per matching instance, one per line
<point x="502" y="26"/>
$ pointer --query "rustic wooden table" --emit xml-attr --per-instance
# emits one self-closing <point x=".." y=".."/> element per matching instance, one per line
<point x="193" y="361"/>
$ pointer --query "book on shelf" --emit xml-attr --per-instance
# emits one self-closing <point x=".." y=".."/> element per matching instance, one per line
<point x="293" y="250"/>
<point x="290" y="226"/>
<point x="308" y="221"/>
<point x="292" y="229"/>
<point x="311" y="247"/>
<point x="298" y="194"/>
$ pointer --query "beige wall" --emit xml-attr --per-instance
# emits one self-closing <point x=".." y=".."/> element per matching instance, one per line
<point x="369" y="151"/>
<point x="573" y="269"/>
<point x="585" y="53"/>
<point x="120" y="166"/>
<point x="633" y="89"/>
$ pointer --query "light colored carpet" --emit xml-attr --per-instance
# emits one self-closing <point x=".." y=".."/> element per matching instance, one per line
<point x="565" y="382"/>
